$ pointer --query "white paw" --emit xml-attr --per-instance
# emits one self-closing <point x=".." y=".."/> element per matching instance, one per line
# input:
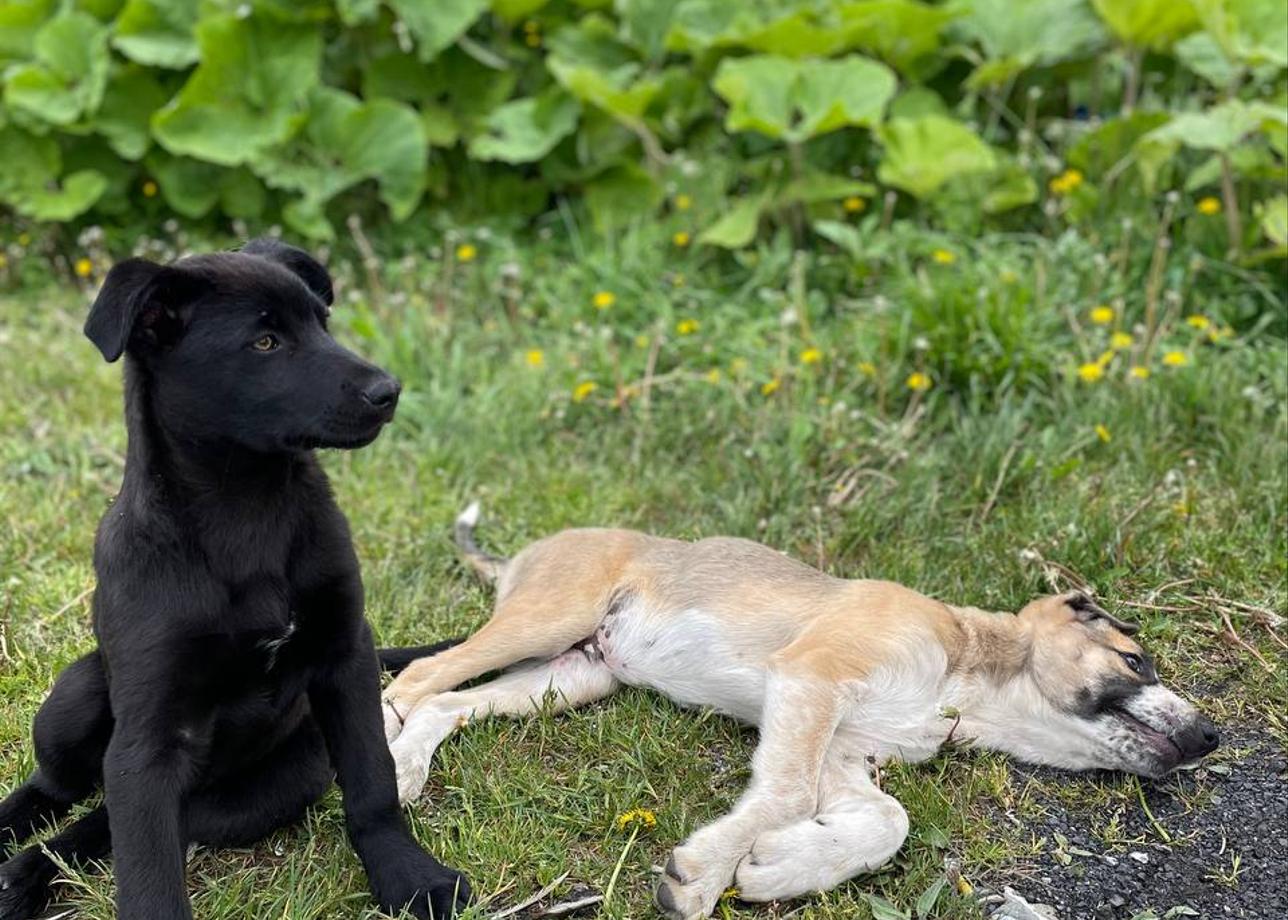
<point x="411" y="763"/>
<point x="689" y="890"/>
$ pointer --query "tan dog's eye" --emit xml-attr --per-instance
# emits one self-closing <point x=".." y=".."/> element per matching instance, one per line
<point x="265" y="343"/>
<point x="1133" y="661"/>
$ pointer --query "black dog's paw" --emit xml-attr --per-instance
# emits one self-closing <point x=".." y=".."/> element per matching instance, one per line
<point x="425" y="888"/>
<point x="23" y="892"/>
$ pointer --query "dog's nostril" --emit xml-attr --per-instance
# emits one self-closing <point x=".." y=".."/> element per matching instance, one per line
<point x="383" y="394"/>
<point x="1211" y="738"/>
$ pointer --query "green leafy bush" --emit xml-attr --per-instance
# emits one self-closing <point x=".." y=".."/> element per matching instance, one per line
<point x="773" y="113"/>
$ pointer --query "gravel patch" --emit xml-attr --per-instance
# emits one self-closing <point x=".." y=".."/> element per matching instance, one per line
<point x="1227" y="814"/>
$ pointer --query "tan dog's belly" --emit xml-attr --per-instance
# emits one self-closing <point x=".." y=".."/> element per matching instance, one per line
<point x="691" y="656"/>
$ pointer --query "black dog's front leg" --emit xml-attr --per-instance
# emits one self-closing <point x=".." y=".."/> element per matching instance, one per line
<point x="345" y="700"/>
<point x="145" y="775"/>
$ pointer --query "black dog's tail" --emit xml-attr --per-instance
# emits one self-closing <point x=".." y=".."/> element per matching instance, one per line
<point x="395" y="660"/>
<point x="489" y="567"/>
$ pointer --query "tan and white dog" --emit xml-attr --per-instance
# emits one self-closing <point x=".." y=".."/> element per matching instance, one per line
<point x="838" y="675"/>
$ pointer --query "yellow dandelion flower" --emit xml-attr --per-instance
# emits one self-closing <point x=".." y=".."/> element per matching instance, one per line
<point x="683" y="202"/>
<point x="641" y="341"/>
<point x="603" y="299"/>
<point x="737" y="365"/>
<point x="867" y="369"/>
<point x="641" y="816"/>
<point x="584" y="389"/>
<point x="1008" y="277"/>
<point x="1090" y="373"/>
<point x="1066" y="182"/>
<point x="1105" y="358"/>
<point x="466" y="252"/>
<point x="686" y="327"/>
<point x="1198" y="321"/>
<point x="1217" y="335"/>
<point x="83" y="267"/>
<point x="854" y="204"/>
<point x="1121" y="340"/>
<point x="918" y="382"/>
<point x="964" y="888"/>
<point x="1181" y="508"/>
<point x="712" y="376"/>
<point x="770" y="386"/>
<point x="680" y="238"/>
<point x="149" y="189"/>
<point x="1209" y="205"/>
<point x="944" y="256"/>
<point x="1140" y="373"/>
<point x="678" y="280"/>
<point x="535" y="357"/>
<point x="811" y="356"/>
<point x="1102" y="315"/>
<point x="24" y="239"/>
<point x="1176" y="359"/>
<point x="1103" y="434"/>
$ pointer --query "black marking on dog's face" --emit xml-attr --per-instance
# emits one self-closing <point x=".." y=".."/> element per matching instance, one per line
<point x="235" y="348"/>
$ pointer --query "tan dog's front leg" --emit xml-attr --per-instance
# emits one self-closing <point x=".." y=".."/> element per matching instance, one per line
<point x="797" y="724"/>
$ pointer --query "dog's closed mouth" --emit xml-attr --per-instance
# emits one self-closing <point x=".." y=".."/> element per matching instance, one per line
<point x="1159" y="740"/>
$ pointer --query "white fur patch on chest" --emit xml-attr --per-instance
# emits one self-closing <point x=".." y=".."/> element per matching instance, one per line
<point x="901" y="711"/>
<point x="689" y="656"/>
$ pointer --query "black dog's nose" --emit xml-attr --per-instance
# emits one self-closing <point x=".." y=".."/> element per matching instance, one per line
<point x="383" y="393"/>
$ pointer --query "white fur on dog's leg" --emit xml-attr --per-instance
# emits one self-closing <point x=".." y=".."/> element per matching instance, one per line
<point x="393" y="722"/>
<point x="411" y="763"/>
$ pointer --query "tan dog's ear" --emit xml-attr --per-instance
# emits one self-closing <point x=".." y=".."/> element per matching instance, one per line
<point x="1085" y="610"/>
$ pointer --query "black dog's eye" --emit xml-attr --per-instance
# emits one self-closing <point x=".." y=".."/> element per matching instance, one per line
<point x="265" y="343"/>
<point x="1133" y="661"/>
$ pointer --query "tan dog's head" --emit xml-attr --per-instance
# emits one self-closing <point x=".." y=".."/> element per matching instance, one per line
<point x="1103" y="683"/>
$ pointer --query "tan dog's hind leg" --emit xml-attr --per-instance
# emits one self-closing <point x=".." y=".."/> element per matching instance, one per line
<point x="798" y="723"/>
<point x="570" y="680"/>
<point x="539" y="622"/>
<point x="858" y="827"/>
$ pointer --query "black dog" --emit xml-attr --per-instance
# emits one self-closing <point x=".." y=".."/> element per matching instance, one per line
<point x="235" y="674"/>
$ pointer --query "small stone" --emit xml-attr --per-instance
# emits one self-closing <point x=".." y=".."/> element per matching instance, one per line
<point x="1111" y="860"/>
<point x="1117" y="900"/>
<point x="1142" y="858"/>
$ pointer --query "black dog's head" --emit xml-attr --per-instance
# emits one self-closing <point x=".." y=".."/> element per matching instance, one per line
<point x="235" y="348"/>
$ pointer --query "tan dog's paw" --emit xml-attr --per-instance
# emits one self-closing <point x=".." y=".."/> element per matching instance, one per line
<point x="411" y="763"/>
<point x="685" y="892"/>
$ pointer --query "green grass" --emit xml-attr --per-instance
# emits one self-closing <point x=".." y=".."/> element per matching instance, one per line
<point x="959" y="491"/>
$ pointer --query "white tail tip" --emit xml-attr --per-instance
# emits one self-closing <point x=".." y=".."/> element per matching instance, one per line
<point x="470" y="516"/>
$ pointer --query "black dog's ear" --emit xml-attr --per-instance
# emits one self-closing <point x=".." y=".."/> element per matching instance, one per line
<point x="1085" y="610"/>
<point x="142" y="297"/>
<point x="297" y="261"/>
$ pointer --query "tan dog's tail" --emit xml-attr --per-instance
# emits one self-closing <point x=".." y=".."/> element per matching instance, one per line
<point x="489" y="567"/>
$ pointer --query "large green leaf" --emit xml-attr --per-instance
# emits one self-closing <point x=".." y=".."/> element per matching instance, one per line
<point x="1105" y="147"/>
<point x="1015" y="36"/>
<point x="527" y="129"/>
<point x="246" y="95"/>
<point x="644" y="24"/>
<point x="796" y="100"/>
<point x="30" y="180"/>
<point x="1201" y="53"/>
<point x="1148" y="23"/>
<point x="20" y="20"/>
<point x="437" y="24"/>
<point x="124" y="117"/>
<point x="66" y="80"/>
<point x="1273" y="215"/>
<point x="903" y="33"/>
<point x="159" y="33"/>
<point x="921" y="154"/>
<point x="1219" y="129"/>
<point x="1251" y="31"/>
<point x="190" y="187"/>
<point x="737" y="228"/>
<point x="618" y="93"/>
<point x="346" y="142"/>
